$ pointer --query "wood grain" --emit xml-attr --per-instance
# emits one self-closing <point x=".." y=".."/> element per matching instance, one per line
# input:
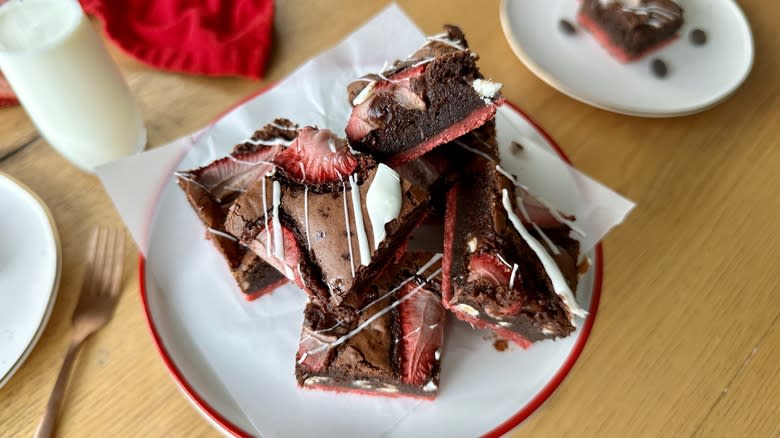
<point x="686" y="339"/>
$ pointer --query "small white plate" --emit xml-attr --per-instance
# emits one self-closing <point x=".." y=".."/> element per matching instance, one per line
<point x="699" y="76"/>
<point x="197" y="321"/>
<point x="29" y="272"/>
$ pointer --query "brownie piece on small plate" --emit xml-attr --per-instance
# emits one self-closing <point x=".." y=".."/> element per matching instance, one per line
<point x="433" y="97"/>
<point x="328" y="217"/>
<point x="629" y="29"/>
<point x="510" y="261"/>
<point x="394" y="346"/>
<point x="211" y="190"/>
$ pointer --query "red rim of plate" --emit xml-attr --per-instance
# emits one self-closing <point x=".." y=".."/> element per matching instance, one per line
<point x="499" y="430"/>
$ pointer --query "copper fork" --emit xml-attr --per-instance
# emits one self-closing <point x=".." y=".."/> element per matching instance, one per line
<point x="99" y="293"/>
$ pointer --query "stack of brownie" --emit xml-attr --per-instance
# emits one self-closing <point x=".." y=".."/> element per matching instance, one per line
<point x="334" y="216"/>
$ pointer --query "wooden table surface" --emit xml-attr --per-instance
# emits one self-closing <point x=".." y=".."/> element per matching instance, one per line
<point x="687" y="339"/>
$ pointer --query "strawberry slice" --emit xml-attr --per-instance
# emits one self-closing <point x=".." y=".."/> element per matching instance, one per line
<point x="409" y="73"/>
<point x="405" y="97"/>
<point x="422" y="327"/>
<point x="490" y="268"/>
<point x="317" y="156"/>
<point x="292" y="256"/>
<point x="311" y="353"/>
<point x="232" y="175"/>
<point x="362" y="121"/>
<point x="539" y="213"/>
<point x="7" y="96"/>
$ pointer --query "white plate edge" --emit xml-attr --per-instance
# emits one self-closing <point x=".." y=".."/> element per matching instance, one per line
<point x="549" y="80"/>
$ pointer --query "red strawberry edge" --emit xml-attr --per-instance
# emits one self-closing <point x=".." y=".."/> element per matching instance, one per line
<point x="422" y="326"/>
<point x="317" y="156"/>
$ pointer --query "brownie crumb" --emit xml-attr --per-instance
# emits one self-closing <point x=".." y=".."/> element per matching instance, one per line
<point x="517" y="147"/>
<point x="583" y="266"/>
<point x="500" y="344"/>
<point x="660" y="68"/>
<point x="566" y="27"/>
<point x="698" y="37"/>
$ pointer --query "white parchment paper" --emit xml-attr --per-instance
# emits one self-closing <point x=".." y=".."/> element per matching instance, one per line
<point x="251" y="347"/>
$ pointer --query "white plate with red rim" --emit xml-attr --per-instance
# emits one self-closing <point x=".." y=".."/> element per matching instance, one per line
<point x="29" y="273"/>
<point x="699" y="77"/>
<point x="514" y="384"/>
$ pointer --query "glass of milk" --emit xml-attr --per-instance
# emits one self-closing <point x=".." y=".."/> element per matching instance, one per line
<point x="67" y="82"/>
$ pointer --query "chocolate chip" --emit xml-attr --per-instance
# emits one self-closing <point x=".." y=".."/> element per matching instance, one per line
<point x="566" y="27"/>
<point x="659" y="68"/>
<point x="500" y="344"/>
<point x="698" y="37"/>
<point x="516" y="147"/>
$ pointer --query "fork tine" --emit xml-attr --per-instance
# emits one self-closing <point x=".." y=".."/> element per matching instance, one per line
<point x="87" y="283"/>
<point x="108" y="260"/>
<point x="111" y="261"/>
<point x="119" y="262"/>
<point x="90" y="269"/>
<point x="101" y="261"/>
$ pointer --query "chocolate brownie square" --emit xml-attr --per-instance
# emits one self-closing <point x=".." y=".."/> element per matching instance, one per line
<point x="629" y="29"/>
<point x="394" y="346"/>
<point x="211" y="190"/>
<point x="431" y="98"/>
<point x="328" y="217"/>
<point x="510" y="261"/>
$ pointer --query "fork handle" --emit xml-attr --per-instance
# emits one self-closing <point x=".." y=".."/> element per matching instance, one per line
<point x="46" y="426"/>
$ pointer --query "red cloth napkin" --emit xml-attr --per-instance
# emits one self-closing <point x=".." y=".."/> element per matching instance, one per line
<point x="7" y="96"/>
<point x="211" y="37"/>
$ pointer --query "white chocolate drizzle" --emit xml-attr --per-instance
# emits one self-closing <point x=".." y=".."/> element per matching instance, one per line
<point x="444" y="38"/>
<point x="349" y="232"/>
<point x="306" y="208"/>
<point x="365" y="93"/>
<point x="368" y="90"/>
<point x="282" y="127"/>
<point x="288" y="272"/>
<point x="657" y="13"/>
<point x="221" y="234"/>
<point x="187" y="177"/>
<point x="512" y="276"/>
<point x="374" y="317"/>
<point x="423" y="61"/>
<point x="383" y="201"/>
<point x="476" y="151"/>
<point x="265" y="219"/>
<point x="277" y="224"/>
<point x="300" y="275"/>
<point x="360" y="226"/>
<point x="503" y="260"/>
<point x="419" y="272"/>
<point x="557" y="279"/>
<point x="553" y="211"/>
<point x="547" y="240"/>
<point x="271" y="142"/>
<point x="235" y="159"/>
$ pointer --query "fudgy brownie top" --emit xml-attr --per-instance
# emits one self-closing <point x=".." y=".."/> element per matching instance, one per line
<point x="634" y="26"/>
<point x="393" y="345"/>
<point x="433" y="97"/>
<point x="331" y="216"/>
